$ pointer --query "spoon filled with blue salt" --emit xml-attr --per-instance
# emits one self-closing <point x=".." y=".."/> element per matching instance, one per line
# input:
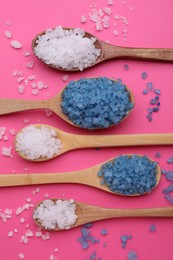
<point x="127" y="175"/>
<point x="72" y="49"/>
<point x="90" y="103"/>
<point x="40" y="142"/>
<point x="58" y="214"/>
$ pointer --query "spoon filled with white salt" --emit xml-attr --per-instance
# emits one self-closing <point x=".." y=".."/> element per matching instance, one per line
<point x="41" y="142"/>
<point x="58" y="214"/>
<point x="90" y="103"/>
<point x="127" y="175"/>
<point x="72" y="49"/>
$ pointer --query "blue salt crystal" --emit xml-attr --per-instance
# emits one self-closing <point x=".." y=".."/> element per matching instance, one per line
<point x="168" y="189"/>
<point x="170" y="159"/>
<point x="126" y="66"/>
<point x="129" y="174"/>
<point x="96" y="103"/>
<point x="152" y="228"/>
<point x="158" y="155"/>
<point x="158" y="104"/>
<point x="93" y="256"/>
<point x="144" y="75"/>
<point x="88" y="225"/>
<point x="104" y="232"/>
<point x="150" y="86"/>
<point x="169" y="198"/>
<point x="152" y="101"/>
<point x="155" y="109"/>
<point x="145" y="91"/>
<point x="132" y="255"/>
<point x="157" y="91"/>
<point x="124" y="239"/>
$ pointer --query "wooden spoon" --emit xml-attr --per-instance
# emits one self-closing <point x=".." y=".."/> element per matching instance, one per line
<point x="10" y="105"/>
<point x="87" y="176"/>
<point x="74" y="141"/>
<point x="109" y="51"/>
<point x="88" y="213"/>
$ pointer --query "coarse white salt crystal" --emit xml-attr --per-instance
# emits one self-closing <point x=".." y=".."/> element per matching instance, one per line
<point x="6" y="151"/>
<point x="107" y="10"/>
<point x="37" y="190"/>
<point x="26" y="82"/>
<point x="20" y="79"/>
<point x="7" y="34"/>
<point x="65" y="77"/>
<point x="21" y="256"/>
<point x="8" y="211"/>
<point x="33" y="85"/>
<point x="12" y="131"/>
<point x="38" y="234"/>
<point x="29" y="233"/>
<point x="56" y="250"/>
<point x="40" y="84"/>
<point x="83" y="19"/>
<point x="117" y="17"/>
<point x="52" y="257"/>
<point x="10" y="234"/>
<point x="73" y="48"/>
<point x="35" y="92"/>
<point x="34" y="142"/>
<point x="115" y="33"/>
<point x="30" y="64"/>
<point x="21" y="89"/>
<point x="26" y="53"/>
<point x="60" y="213"/>
<point x="24" y="240"/>
<point x="28" y="200"/>
<point x="15" y="230"/>
<point x="26" y="121"/>
<point x="2" y="130"/>
<point x="48" y="112"/>
<point x="5" y="138"/>
<point x="16" y="44"/>
<point x="99" y="26"/>
<point x="31" y="77"/>
<point x="110" y="2"/>
<point x="22" y="220"/>
<point x="19" y="73"/>
<point x="46" y="195"/>
<point x="19" y="211"/>
<point x="14" y="73"/>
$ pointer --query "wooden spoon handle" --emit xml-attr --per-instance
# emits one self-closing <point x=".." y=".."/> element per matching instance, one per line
<point x="8" y="105"/>
<point x="94" y="213"/>
<point x="84" y="141"/>
<point x="139" y="53"/>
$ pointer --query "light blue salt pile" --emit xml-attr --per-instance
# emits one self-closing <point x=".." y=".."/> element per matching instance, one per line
<point x="129" y="174"/>
<point x="96" y="102"/>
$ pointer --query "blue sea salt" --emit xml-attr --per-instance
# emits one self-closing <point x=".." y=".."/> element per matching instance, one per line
<point x="170" y="159"/>
<point x="86" y="238"/>
<point x="168" y="190"/>
<point x="132" y="255"/>
<point x="168" y="175"/>
<point x="124" y="239"/>
<point x="144" y="75"/>
<point x="93" y="103"/>
<point x="130" y="174"/>
<point x="150" y="86"/>
<point x="152" y="228"/>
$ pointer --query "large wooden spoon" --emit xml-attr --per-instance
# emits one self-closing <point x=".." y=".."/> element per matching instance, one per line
<point x="109" y="51"/>
<point x="73" y="141"/>
<point x="87" y="176"/>
<point x="10" y="105"/>
<point x="88" y="213"/>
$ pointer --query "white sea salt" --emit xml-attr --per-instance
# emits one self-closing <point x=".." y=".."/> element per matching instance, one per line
<point x="10" y="234"/>
<point x="60" y="213"/>
<point x="21" y="256"/>
<point x="83" y="19"/>
<point x="6" y="151"/>
<point x="16" y="44"/>
<point x="30" y="64"/>
<point x="7" y="34"/>
<point x="36" y="143"/>
<point x="67" y="49"/>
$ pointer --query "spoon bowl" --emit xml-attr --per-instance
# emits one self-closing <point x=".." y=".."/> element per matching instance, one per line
<point x="87" y="176"/>
<point x="76" y="141"/>
<point x="8" y="105"/>
<point x="109" y="51"/>
<point x="89" y="213"/>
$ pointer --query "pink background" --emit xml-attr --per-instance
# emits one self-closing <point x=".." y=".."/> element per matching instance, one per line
<point x="150" y="25"/>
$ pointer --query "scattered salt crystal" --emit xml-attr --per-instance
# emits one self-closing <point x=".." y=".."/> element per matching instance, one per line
<point x="60" y="213"/>
<point x="10" y="234"/>
<point x="16" y="44"/>
<point x="8" y="211"/>
<point x="117" y="17"/>
<point x="26" y="53"/>
<point x="33" y="85"/>
<point x="107" y="10"/>
<point x="24" y="240"/>
<point x="8" y="23"/>
<point x="37" y="190"/>
<point x="38" y="234"/>
<point x="56" y="250"/>
<point x="40" y="84"/>
<point x="28" y="200"/>
<point x="26" y="121"/>
<point x="99" y="26"/>
<point x="7" y="34"/>
<point x="15" y="230"/>
<point x="36" y="142"/>
<point x="83" y="19"/>
<point x="21" y="89"/>
<point x="116" y="33"/>
<point x="31" y="77"/>
<point x="52" y="257"/>
<point x="22" y="220"/>
<point x="46" y="195"/>
<point x="20" y="79"/>
<point x="65" y="77"/>
<point x="35" y="92"/>
<point x="29" y="233"/>
<point x="48" y="112"/>
<point x="2" y="130"/>
<point x="14" y="73"/>
<point x="19" y="73"/>
<point x="110" y="2"/>
<point x="21" y="256"/>
<point x="30" y="64"/>
<point x="5" y="138"/>
<point x="6" y="151"/>
<point x="12" y="131"/>
<point x="19" y="211"/>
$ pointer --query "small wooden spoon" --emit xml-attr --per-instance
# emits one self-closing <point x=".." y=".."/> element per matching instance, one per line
<point x="87" y="176"/>
<point x="109" y="51"/>
<point x="74" y="141"/>
<point x="10" y="105"/>
<point x="88" y="213"/>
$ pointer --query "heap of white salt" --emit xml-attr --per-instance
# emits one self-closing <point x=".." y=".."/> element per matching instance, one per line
<point x="60" y="213"/>
<point x="35" y="143"/>
<point x="66" y="49"/>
